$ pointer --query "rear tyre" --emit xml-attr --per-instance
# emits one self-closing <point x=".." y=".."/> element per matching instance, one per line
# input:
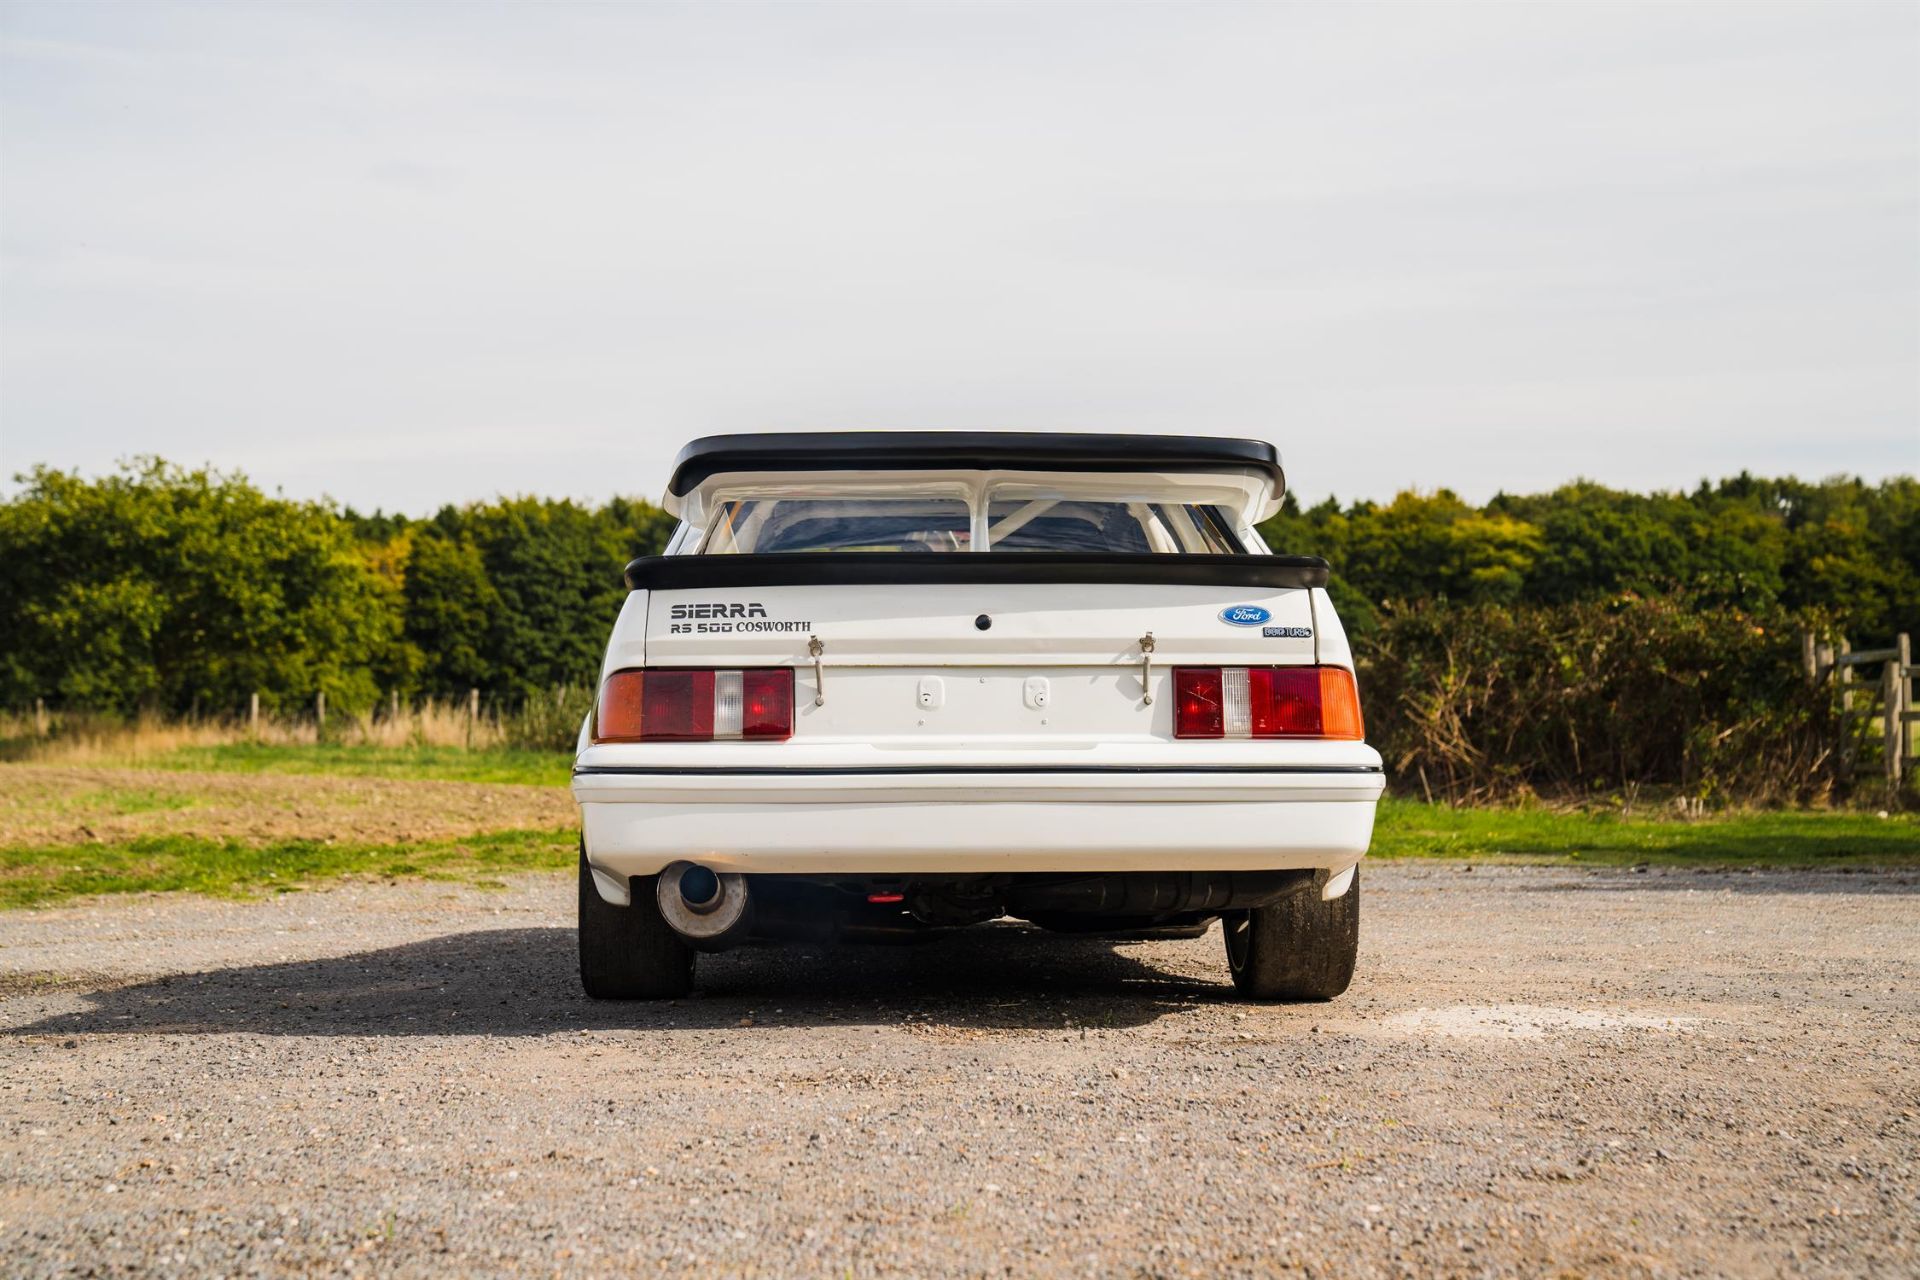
<point x="1300" y="948"/>
<point x="629" y="953"/>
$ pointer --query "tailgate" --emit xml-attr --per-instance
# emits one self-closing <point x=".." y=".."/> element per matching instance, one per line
<point x="910" y="665"/>
<point x="940" y="625"/>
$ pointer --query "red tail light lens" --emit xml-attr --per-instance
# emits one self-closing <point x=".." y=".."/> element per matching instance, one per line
<point x="1198" y="706"/>
<point x="678" y="705"/>
<point x="1266" y="702"/>
<point x="768" y="703"/>
<point x="1285" y="702"/>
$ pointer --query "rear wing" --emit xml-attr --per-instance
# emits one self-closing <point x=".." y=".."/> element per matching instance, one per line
<point x="776" y="457"/>
<point x="890" y="568"/>
<point x="966" y="451"/>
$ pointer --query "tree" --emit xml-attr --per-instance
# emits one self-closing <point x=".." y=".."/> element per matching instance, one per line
<point x="449" y="609"/>
<point x="518" y="595"/>
<point x="166" y="589"/>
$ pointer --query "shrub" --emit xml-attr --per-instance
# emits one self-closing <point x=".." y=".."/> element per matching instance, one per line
<point x="1489" y="702"/>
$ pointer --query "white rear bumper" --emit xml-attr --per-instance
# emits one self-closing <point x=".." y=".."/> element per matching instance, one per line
<point x="924" y="819"/>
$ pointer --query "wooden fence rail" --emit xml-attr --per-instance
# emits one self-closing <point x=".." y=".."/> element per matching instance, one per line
<point x="1887" y="698"/>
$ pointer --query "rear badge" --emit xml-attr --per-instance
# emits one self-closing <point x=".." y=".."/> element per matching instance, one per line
<point x="1287" y="633"/>
<point x="1244" y="615"/>
<point x="711" y="618"/>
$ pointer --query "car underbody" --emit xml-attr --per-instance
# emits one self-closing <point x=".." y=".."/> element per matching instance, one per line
<point x="701" y="905"/>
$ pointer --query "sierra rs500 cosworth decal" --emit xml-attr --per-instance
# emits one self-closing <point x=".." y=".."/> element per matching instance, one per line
<point x="722" y="619"/>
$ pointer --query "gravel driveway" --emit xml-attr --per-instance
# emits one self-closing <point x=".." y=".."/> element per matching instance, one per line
<point x="1537" y="1072"/>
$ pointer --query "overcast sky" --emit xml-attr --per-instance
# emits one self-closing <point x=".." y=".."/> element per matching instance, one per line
<point x="410" y="255"/>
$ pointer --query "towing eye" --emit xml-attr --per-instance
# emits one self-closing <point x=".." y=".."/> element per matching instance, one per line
<point x="816" y="647"/>
<point x="1146" y="668"/>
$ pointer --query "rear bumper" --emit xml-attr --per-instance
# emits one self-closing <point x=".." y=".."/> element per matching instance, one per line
<point x="942" y="819"/>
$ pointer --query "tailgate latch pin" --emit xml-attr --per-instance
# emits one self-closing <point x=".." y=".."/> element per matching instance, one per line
<point x="816" y="647"/>
<point x="1146" y="668"/>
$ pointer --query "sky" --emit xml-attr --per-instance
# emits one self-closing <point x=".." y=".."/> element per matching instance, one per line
<point x="409" y="255"/>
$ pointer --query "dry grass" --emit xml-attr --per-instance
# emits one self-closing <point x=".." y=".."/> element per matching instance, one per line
<point x="44" y="805"/>
<point x="79" y="738"/>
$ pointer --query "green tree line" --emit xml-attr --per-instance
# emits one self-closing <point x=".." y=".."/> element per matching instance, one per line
<point x="1840" y="550"/>
<point x="1590" y="641"/>
<point x="170" y="589"/>
<point x="167" y="589"/>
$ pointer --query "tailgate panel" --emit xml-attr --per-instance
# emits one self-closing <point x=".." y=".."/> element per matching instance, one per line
<point x="932" y="626"/>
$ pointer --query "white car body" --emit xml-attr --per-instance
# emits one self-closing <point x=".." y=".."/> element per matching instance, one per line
<point x="924" y="744"/>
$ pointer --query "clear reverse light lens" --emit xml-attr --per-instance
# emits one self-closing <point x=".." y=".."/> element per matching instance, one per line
<point x="1237" y="701"/>
<point x="728" y="704"/>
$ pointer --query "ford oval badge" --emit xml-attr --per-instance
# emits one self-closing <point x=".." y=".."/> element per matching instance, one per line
<point x="1245" y="615"/>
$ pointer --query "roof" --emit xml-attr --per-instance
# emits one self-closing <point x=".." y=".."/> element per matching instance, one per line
<point x="966" y="450"/>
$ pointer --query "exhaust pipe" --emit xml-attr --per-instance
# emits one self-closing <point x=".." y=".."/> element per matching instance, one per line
<point x="706" y="907"/>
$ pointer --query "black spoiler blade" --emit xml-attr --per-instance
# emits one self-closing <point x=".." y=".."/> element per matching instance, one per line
<point x="888" y="568"/>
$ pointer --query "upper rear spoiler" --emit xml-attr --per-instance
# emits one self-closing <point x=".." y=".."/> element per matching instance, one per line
<point x="887" y="568"/>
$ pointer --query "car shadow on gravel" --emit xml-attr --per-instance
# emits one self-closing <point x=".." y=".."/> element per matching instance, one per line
<point x="524" y="982"/>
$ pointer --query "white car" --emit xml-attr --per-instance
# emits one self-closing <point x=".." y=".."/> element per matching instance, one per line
<point x="885" y="684"/>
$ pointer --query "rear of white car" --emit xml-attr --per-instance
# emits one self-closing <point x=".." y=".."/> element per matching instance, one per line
<point x="887" y="684"/>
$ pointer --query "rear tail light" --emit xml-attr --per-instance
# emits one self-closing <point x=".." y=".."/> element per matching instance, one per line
<point x="674" y="705"/>
<point x="1266" y="702"/>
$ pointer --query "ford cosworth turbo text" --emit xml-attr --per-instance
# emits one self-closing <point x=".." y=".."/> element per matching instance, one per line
<point x="886" y="684"/>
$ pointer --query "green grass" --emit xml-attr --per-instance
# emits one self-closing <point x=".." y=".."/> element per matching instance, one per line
<point x="120" y="801"/>
<point x="228" y="868"/>
<point x="439" y="764"/>
<point x="1411" y="829"/>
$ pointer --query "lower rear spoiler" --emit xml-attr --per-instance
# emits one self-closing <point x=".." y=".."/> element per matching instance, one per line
<point x="888" y="568"/>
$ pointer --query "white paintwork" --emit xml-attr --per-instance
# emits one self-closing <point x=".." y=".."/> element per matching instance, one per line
<point x="1023" y="714"/>
<point x="975" y="822"/>
<point x="1034" y="624"/>
<point x="971" y="827"/>
<point x="1337" y="886"/>
<point x="1011" y="751"/>
<point x="613" y="889"/>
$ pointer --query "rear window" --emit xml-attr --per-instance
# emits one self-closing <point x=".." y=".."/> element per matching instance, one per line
<point x="1017" y="519"/>
<point x="1116" y="528"/>
<point x="762" y="525"/>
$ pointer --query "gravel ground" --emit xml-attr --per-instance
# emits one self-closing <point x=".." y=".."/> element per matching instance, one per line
<point x="1537" y="1072"/>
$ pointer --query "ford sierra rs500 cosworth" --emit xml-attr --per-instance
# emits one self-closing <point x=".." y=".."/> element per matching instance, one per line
<point x="885" y="684"/>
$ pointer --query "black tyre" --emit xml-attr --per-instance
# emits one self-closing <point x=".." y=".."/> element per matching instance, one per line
<point x="1300" y="948"/>
<point x="629" y="953"/>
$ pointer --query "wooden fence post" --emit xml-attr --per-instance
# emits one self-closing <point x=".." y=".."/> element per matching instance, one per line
<point x="253" y="714"/>
<point x="1846" y="676"/>
<point x="393" y="705"/>
<point x="1890" y="721"/>
<point x="39" y="717"/>
<point x="1843" y="675"/>
<point x="1893" y="704"/>
<point x="320" y="711"/>
<point x="473" y="714"/>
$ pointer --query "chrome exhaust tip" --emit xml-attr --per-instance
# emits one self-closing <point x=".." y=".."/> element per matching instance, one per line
<point x="706" y="907"/>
